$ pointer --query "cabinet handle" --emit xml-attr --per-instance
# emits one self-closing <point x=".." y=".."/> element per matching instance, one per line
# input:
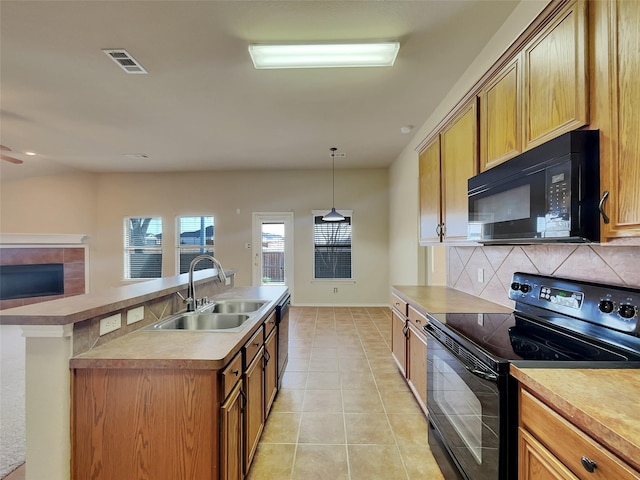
<point x="605" y="217"/>
<point x="438" y="230"/>
<point x="235" y="372"/>
<point x="244" y="399"/>
<point x="418" y="320"/>
<point x="588" y="464"/>
<point x="257" y="344"/>
<point x="405" y="330"/>
<point x="267" y="356"/>
<point x="443" y="230"/>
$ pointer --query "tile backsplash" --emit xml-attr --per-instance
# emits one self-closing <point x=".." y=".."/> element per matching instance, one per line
<point x="595" y="263"/>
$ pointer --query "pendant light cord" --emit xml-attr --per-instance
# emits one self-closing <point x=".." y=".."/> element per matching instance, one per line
<point x="333" y="177"/>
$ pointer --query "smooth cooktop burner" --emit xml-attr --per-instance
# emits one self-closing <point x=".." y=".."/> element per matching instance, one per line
<point x="508" y="337"/>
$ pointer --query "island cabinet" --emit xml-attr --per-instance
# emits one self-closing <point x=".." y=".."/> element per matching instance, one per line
<point x="551" y="447"/>
<point x="151" y="424"/>
<point x="270" y="364"/>
<point x="253" y="378"/>
<point x="445" y="164"/>
<point x="231" y="426"/>
<point x="166" y="423"/>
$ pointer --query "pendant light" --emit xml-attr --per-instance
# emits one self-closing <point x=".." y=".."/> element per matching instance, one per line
<point x="333" y="216"/>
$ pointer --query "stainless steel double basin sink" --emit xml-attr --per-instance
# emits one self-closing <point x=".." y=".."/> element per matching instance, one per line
<point x="228" y="315"/>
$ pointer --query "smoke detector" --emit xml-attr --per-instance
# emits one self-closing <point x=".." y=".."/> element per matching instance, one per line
<point x="124" y="60"/>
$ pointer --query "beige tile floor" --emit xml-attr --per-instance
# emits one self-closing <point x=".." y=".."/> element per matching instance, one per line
<point x="344" y="412"/>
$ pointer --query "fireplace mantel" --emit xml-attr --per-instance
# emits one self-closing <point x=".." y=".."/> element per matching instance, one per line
<point x="40" y="239"/>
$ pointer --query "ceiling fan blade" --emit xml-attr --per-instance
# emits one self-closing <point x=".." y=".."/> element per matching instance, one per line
<point x="10" y="159"/>
<point x="5" y="148"/>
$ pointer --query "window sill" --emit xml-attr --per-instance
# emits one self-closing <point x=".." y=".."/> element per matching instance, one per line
<point x="336" y="281"/>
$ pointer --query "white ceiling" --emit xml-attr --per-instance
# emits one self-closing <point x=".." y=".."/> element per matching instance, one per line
<point x="203" y="106"/>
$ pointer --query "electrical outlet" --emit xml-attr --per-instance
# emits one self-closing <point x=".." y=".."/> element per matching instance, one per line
<point x="227" y="281"/>
<point x="481" y="319"/>
<point x="335" y="290"/>
<point x="109" y="324"/>
<point x="135" y="315"/>
<point x="481" y="275"/>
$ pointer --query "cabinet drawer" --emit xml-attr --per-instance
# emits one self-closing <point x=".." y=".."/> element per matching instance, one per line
<point x="252" y="346"/>
<point x="399" y="304"/>
<point x="231" y="375"/>
<point x="417" y="319"/>
<point x="569" y="444"/>
<point x="270" y="324"/>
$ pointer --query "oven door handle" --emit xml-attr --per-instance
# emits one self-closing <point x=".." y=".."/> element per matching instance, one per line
<point x="490" y="377"/>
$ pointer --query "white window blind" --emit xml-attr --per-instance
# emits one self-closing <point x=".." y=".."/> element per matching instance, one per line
<point x="332" y="247"/>
<point x="142" y="247"/>
<point x="195" y="236"/>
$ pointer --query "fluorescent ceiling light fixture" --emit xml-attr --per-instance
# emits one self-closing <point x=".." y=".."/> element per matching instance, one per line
<point x="324" y="56"/>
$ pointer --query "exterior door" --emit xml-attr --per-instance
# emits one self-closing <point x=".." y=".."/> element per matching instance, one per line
<point x="272" y="249"/>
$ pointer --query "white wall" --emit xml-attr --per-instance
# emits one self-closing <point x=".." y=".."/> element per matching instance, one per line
<point x="410" y="264"/>
<point x="96" y="205"/>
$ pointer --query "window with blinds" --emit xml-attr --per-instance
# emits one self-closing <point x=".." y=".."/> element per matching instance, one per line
<point x="195" y="236"/>
<point x="142" y="247"/>
<point x="332" y="248"/>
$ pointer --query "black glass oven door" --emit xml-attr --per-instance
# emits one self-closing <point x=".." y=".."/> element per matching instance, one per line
<point x="464" y="407"/>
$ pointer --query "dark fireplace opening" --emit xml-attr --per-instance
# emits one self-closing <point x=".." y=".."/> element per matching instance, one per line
<point x="25" y="281"/>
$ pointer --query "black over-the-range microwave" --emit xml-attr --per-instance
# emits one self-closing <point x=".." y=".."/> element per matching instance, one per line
<point x="547" y="194"/>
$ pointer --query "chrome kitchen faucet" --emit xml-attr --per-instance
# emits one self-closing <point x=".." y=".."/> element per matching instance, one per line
<point x="191" y="299"/>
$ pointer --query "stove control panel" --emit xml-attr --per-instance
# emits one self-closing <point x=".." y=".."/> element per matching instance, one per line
<point x="610" y="306"/>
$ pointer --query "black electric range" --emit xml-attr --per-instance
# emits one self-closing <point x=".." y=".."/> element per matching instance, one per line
<point x="557" y="323"/>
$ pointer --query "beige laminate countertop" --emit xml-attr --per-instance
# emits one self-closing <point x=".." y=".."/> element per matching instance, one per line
<point x="604" y="403"/>
<point x="78" y="308"/>
<point x="440" y="299"/>
<point x="181" y="349"/>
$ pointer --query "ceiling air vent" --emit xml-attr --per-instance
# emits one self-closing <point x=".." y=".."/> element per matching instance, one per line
<point x="124" y="60"/>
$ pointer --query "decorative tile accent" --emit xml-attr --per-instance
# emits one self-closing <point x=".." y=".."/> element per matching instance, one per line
<point x="616" y="265"/>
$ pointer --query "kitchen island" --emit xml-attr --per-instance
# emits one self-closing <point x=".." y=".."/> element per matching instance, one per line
<point x="59" y="330"/>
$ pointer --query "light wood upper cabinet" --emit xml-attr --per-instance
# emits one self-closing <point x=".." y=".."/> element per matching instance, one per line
<point x="617" y="93"/>
<point x="555" y="77"/>
<point x="430" y="201"/>
<point x="501" y="116"/>
<point x="458" y="162"/>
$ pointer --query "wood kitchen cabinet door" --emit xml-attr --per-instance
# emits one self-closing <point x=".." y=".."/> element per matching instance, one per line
<point x="417" y="365"/>
<point x="618" y="45"/>
<point x="459" y="162"/>
<point x="254" y="411"/>
<point x="430" y="198"/>
<point x="399" y="340"/>
<point x="537" y="463"/>
<point x="555" y="77"/>
<point x="231" y="462"/>
<point x="501" y="116"/>
<point x="270" y="372"/>
<point x="156" y="424"/>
